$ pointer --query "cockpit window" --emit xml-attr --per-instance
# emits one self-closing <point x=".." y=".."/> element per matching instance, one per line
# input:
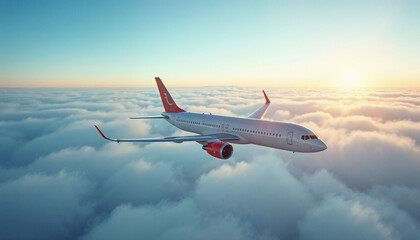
<point x="306" y="137"/>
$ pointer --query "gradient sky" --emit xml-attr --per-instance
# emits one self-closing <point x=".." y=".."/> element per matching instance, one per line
<point x="197" y="43"/>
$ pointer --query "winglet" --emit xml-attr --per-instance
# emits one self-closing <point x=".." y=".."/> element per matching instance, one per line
<point x="101" y="133"/>
<point x="266" y="98"/>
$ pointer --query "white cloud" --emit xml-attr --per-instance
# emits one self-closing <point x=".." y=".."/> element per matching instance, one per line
<point x="45" y="207"/>
<point x="56" y="168"/>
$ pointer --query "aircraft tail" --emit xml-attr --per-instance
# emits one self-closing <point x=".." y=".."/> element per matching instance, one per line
<point x="168" y="103"/>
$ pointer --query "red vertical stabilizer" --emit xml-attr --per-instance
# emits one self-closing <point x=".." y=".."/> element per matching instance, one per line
<point x="168" y="103"/>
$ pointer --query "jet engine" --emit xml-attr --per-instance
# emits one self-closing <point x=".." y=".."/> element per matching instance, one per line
<point x="220" y="150"/>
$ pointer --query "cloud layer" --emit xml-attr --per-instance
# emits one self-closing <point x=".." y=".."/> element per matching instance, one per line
<point x="60" y="180"/>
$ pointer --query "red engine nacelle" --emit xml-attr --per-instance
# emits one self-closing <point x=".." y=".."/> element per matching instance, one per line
<point x="220" y="150"/>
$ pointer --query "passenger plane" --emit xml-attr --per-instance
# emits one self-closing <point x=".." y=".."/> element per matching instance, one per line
<point x="216" y="132"/>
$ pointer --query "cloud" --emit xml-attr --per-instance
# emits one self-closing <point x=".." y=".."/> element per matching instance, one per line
<point x="45" y="207"/>
<point x="352" y="219"/>
<point x="142" y="183"/>
<point x="178" y="221"/>
<point x="404" y="198"/>
<point x="262" y="192"/>
<point x="249" y="202"/>
<point x="60" y="179"/>
<point x="339" y="211"/>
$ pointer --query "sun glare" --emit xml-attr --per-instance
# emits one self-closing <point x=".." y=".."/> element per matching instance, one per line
<point x="350" y="81"/>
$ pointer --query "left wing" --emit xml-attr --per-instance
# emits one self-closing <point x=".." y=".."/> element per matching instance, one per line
<point x="180" y="139"/>
<point x="259" y="113"/>
<point x="149" y="117"/>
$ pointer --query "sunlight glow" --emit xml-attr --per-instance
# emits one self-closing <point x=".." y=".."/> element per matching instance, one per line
<point x="350" y="81"/>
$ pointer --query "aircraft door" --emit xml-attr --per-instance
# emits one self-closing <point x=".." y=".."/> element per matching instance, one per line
<point x="289" y="138"/>
<point x="225" y="127"/>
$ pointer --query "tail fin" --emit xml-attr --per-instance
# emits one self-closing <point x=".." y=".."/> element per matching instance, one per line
<point x="168" y="103"/>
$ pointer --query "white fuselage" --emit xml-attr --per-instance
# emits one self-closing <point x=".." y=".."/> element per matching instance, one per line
<point x="281" y="135"/>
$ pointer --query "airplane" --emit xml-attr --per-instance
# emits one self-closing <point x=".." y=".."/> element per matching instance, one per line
<point x="216" y="132"/>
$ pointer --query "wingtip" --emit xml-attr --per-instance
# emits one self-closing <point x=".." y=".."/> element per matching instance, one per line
<point x="266" y="98"/>
<point x="157" y="78"/>
<point x="100" y="132"/>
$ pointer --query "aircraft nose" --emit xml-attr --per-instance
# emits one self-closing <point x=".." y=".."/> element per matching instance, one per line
<point x="322" y="146"/>
<point x="318" y="145"/>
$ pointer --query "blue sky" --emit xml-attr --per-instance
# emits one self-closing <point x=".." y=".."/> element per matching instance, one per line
<point x="277" y="43"/>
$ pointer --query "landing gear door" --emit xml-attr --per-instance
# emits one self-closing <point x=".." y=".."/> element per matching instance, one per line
<point x="289" y="138"/>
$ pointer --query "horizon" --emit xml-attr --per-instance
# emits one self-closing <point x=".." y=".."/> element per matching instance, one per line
<point x="341" y="89"/>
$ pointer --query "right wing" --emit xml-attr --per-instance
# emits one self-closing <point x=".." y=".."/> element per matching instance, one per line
<point x="259" y="113"/>
<point x="180" y="139"/>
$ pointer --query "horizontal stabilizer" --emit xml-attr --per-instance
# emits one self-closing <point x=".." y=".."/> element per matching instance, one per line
<point x="148" y="117"/>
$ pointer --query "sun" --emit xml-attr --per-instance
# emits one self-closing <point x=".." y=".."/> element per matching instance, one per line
<point x="350" y="81"/>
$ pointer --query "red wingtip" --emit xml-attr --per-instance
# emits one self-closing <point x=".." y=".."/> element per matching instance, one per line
<point x="266" y="98"/>
<point x="101" y="132"/>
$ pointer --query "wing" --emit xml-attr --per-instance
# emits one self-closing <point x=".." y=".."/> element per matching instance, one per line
<point x="259" y="113"/>
<point x="148" y="117"/>
<point x="180" y="139"/>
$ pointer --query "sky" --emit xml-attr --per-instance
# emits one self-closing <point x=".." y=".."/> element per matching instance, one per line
<point x="59" y="179"/>
<point x="329" y="44"/>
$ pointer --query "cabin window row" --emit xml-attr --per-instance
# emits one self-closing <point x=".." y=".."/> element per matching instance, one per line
<point x="190" y="122"/>
<point x="211" y="125"/>
<point x="257" y="132"/>
<point x="198" y="123"/>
